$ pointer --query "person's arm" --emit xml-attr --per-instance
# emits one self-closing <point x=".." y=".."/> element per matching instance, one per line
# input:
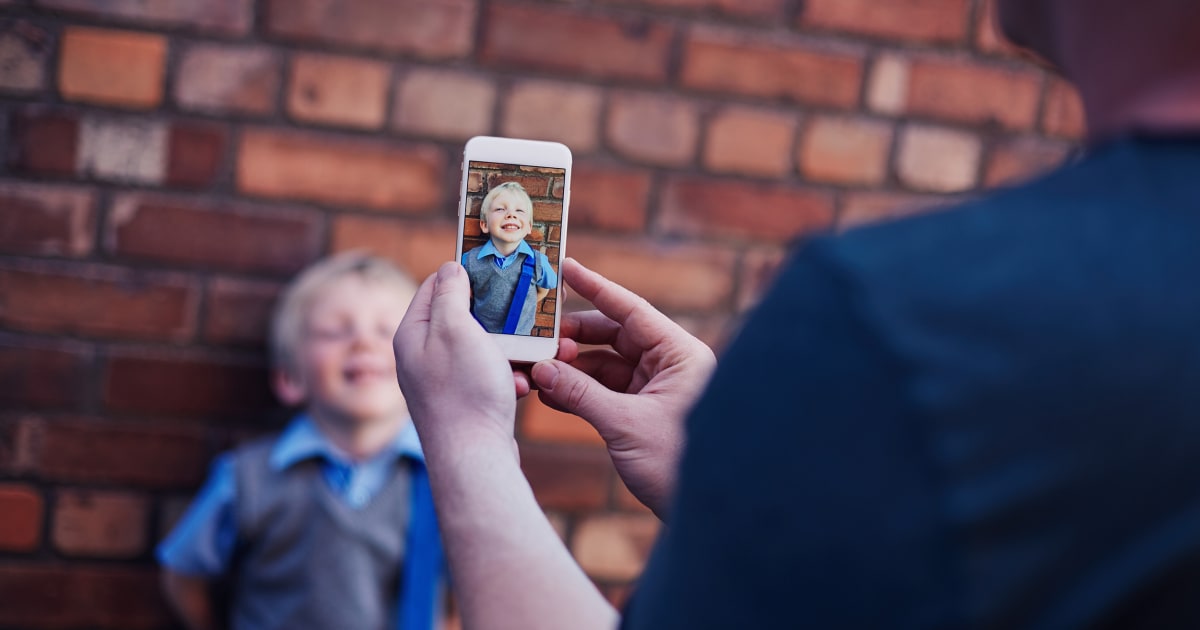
<point x="542" y="293"/>
<point x="509" y="567"/>
<point x="191" y="599"/>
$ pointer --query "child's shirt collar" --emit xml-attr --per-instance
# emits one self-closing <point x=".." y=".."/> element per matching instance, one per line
<point x="489" y="249"/>
<point x="302" y="440"/>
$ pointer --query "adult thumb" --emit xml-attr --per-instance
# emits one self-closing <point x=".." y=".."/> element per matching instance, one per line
<point x="573" y="391"/>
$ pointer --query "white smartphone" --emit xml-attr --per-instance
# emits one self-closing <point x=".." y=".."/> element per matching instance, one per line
<point x="512" y="232"/>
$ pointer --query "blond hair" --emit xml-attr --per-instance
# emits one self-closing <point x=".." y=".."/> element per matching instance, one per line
<point x="514" y="188"/>
<point x="287" y="321"/>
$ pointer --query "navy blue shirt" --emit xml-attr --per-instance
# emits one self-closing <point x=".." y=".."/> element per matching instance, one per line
<point x="987" y="417"/>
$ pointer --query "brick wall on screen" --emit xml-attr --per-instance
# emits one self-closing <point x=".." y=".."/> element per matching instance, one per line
<point x="168" y="166"/>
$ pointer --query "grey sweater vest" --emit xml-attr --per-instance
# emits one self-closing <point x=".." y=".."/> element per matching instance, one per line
<point x="492" y="291"/>
<point x="305" y="559"/>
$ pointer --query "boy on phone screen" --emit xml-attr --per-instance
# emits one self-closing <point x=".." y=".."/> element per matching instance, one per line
<point x="508" y="278"/>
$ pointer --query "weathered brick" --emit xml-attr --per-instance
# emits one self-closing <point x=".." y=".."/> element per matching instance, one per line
<point x="48" y="220"/>
<point x="195" y="154"/>
<point x="583" y="43"/>
<point x="758" y="270"/>
<point x="736" y="8"/>
<point x="123" y="150"/>
<point x="220" y="16"/>
<point x="1063" y="114"/>
<point x="80" y="596"/>
<point x="131" y="454"/>
<point x="653" y="128"/>
<point x="235" y="236"/>
<point x="574" y="478"/>
<point x="223" y="79"/>
<point x="23" y="510"/>
<point x="725" y="208"/>
<point x="97" y="301"/>
<point x="562" y="112"/>
<point x="99" y="523"/>
<point x="338" y="90"/>
<point x="721" y="61"/>
<point x="120" y="68"/>
<point x="920" y="20"/>
<point x="750" y="141"/>
<point x="937" y="159"/>
<point x="24" y="53"/>
<point x="442" y="29"/>
<point x="42" y="376"/>
<point x="887" y="85"/>
<point x="608" y="198"/>
<point x="614" y="546"/>
<point x="862" y="208"/>
<point x="844" y="150"/>
<point x="444" y="104"/>
<point x="238" y="312"/>
<point x="673" y="277"/>
<point x="543" y="424"/>
<point x="44" y="142"/>
<point x="185" y="386"/>
<point x="1019" y="159"/>
<point x="959" y="90"/>
<point x="419" y="248"/>
<point x="339" y="171"/>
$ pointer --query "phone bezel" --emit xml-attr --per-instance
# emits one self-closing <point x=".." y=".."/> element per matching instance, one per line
<point x="536" y="153"/>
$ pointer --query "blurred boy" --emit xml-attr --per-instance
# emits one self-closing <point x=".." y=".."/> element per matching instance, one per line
<point x="508" y="278"/>
<point x="324" y="525"/>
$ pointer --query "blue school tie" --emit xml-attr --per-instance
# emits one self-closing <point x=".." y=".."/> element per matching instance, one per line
<point x="422" y="557"/>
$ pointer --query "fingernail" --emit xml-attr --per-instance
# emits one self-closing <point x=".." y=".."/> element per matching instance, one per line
<point x="448" y="270"/>
<point x="546" y="374"/>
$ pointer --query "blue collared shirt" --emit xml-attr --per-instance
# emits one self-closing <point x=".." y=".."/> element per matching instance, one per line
<point x="549" y="278"/>
<point x="202" y="542"/>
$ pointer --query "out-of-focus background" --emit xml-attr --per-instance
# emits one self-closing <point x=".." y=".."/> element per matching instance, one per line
<point x="169" y="164"/>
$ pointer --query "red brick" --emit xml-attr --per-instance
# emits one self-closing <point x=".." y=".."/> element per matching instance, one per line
<point x="1019" y="159"/>
<point x="100" y="524"/>
<point x="614" y="546"/>
<point x="624" y="499"/>
<point x="561" y="112"/>
<point x="235" y="236"/>
<point x="920" y="20"/>
<point x="340" y="171"/>
<point x="759" y="267"/>
<point x="442" y="29"/>
<point x="720" y="61"/>
<point x="861" y="208"/>
<point x="673" y="277"/>
<point x="1063" y="113"/>
<point x="185" y="386"/>
<point x="338" y="90"/>
<point x="101" y="302"/>
<point x="968" y="92"/>
<point x="887" y="85"/>
<point x="737" y="8"/>
<point x="45" y="142"/>
<point x="608" y="198"/>
<point x="47" y="220"/>
<point x="523" y="36"/>
<point x="126" y="150"/>
<point x="419" y="248"/>
<point x="538" y="186"/>
<point x="750" y="141"/>
<point x="120" y="68"/>
<point x="444" y="104"/>
<point x="936" y="159"/>
<point x="725" y="208"/>
<point x="567" y="478"/>
<point x="220" y="78"/>
<point x="43" y="377"/>
<point x="220" y="16"/>
<point x="74" y="596"/>
<point x="653" y="128"/>
<point x="23" y="510"/>
<point x="845" y="150"/>
<point x="24" y="54"/>
<point x="195" y="154"/>
<point x="238" y="312"/>
<point x="130" y="454"/>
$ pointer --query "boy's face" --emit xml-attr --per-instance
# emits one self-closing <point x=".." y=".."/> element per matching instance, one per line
<point x="345" y="366"/>
<point x="508" y="219"/>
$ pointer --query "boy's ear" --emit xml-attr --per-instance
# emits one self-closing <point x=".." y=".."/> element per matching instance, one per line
<point x="483" y="225"/>
<point x="289" y="388"/>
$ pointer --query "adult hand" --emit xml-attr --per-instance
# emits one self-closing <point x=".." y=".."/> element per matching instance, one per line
<point x="637" y="391"/>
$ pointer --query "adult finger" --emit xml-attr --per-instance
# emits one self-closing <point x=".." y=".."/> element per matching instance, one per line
<point x="451" y="298"/>
<point x="573" y="391"/>
<point x="590" y="327"/>
<point x="416" y="319"/>
<point x="610" y="298"/>
<point x="608" y="368"/>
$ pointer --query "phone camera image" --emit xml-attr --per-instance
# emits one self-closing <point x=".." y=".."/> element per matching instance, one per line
<point x="511" y="245"/>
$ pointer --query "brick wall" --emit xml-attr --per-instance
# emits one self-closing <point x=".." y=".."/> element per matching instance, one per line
<point x="168" y="165"/>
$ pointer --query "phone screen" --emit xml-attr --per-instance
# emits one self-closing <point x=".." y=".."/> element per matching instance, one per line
<point x="511" y="240"/>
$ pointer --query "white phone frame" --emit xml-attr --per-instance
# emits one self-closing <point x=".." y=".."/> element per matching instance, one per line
<point x="520" y="348"/>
